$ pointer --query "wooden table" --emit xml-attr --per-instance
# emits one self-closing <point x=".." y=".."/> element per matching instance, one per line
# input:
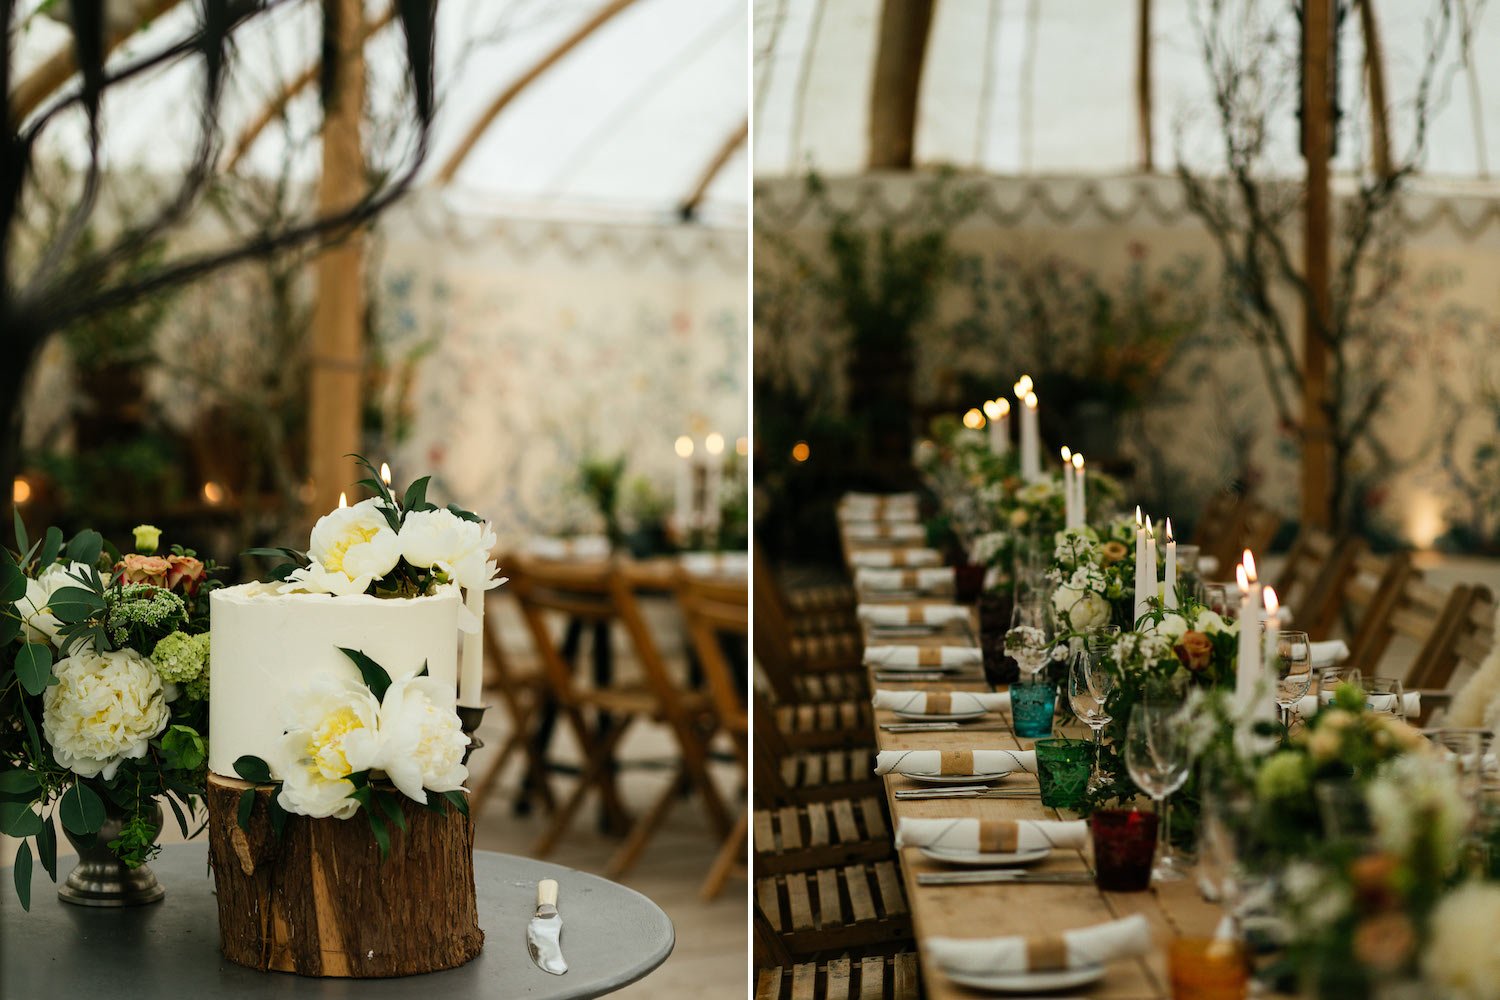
<point x="996" y="910"/>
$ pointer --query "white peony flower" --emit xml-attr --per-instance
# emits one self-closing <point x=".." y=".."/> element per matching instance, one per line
<point x="354" y="543"/>
<point x="422" y="742"/>
<point x="41" y="624"/>
<point x="314" y="579"/>
<point x="1172" y="626"/>
<point x="1460" y="959"/>
<point x="105" y="708"/>
<point x="1083" y="609"/>
<point x="1211" y="621"/>
<point x="442" y="540"/>
<point x="332" y="732"/>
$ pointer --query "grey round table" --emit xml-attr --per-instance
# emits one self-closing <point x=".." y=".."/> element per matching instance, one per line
<point x="612" y="936"/>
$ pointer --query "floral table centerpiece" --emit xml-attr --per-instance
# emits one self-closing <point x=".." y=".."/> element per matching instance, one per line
<point x="104" y="665"/>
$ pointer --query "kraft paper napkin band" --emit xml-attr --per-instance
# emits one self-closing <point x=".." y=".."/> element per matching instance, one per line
<point x="939" y="702"/>
<point x="1046" y="954"/>
<point x="929" y="657"/>
<point x="898" y="557"/>
<point x="956" y="762"/>
<point x="917" y="615"/>
<point x="909" y="578"/>
<point x="998" y="836"/>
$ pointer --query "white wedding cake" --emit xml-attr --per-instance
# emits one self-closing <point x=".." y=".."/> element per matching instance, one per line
<point x="269" y="648"/>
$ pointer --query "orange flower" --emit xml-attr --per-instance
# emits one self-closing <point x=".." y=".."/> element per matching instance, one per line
<point x="1374" y="878"/>
<point x="1384" y="942"/>
<point x="1195" y="650"/>
<point x="136" y="568"/>
<point x="1113" y="551"/>
<point x="187" y="571"/>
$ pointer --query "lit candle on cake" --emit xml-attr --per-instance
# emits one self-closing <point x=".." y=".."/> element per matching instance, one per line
<point x="471" y="667"/>
<point x="385" y="473"/>
<point x="684" y="484"/>
<point x="343" y="499"/>
<point x="1078" y="488"/>
<point x="997" y="411"/>
<point x="1067" y="460"/>
<point x="1171" y="584"/>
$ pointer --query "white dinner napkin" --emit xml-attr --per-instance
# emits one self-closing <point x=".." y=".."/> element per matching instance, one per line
<point x="992" y="835"/>
<point x="882" y="531"/>
<point x="1096" y="945"/>
<point x="1326" y="654"/>
<point x="923" y="581"/>
<point x="877" y="502"/>
<point x="899" y="657"/>
<point x="1411" y="703"/>
<point x="902" y="615"/>
<point x="942" y="702"/>
<point x="735" y="564"/>
<point x="896" y="557"/>
<point x="578" y="547"/>
<point x="954" y="761"/>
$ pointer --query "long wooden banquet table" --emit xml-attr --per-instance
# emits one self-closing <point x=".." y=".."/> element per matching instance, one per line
<point x="993" y="910"/>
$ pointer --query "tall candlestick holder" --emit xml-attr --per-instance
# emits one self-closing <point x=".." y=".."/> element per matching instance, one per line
<point x="470" y="717"/>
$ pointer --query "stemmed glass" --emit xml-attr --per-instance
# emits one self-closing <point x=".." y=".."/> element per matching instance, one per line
<point x="1218" y="598"/>
<point x="1091" y="681"/>
<point x="1293" y="669"/>
<point x="1029" y="641"/>
<point x="1156" y="754"/>
<point x="1385" y="696"/>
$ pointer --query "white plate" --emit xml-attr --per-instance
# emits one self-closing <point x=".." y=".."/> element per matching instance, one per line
<point x="957" y="779"/>
<point x="933" y="717"/>
<point x="1028" y="982"/>
<point x="980" y="859"/>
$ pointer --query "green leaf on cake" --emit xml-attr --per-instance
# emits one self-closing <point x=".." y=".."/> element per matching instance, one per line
<point x="253" y="769"/>
<point x="391" y="806"/>
<point x="246" y="809"/>
<point x="459" y="799"/>
<point x="85" y="547"/>
<point x="23" y="875"/>
<point x="34" y="667"/>
<point x="377" y="678"/>
<point x="466" y="515"/>
<point x="278" y="815"/>
<point x="81" y="810"/>
<point x="416" y="493"/>
<point x="382" y="834"/>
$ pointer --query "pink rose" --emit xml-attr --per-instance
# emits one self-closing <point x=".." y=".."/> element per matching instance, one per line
<point x="136" y="568"/>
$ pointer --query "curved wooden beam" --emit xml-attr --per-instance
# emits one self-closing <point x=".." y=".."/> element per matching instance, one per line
<point x="59" y="68"/>
<point x="510" y="93"/>
<point x="689" y="206"/>
<point x="276" y="105"/>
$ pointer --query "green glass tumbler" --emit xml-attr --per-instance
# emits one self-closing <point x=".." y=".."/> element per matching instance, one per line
<point x="1063" y="767"/>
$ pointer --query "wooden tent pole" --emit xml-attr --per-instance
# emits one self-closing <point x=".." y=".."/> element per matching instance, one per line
<point x="1380" y="131"/>
<point x="904" y="25"/>
<point x="1143" y="86"/>
<point x="295" y="86"/>
<point x="336" y="351"/>
<point x="690" y="204"/>
<point x="59" y="67"/>
<point x="1317" y="143"/>
<point x="510" y="93"/>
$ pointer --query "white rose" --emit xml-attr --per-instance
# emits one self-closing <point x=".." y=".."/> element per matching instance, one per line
<point x="1083" y="609"/>
<point x="422" y="742"/>
<point x="105" y="708"/>
<point x="332" y="731"/>
<point x="40" y="623"/>
<point x="355" y="541"/>
<point x="1212" y="621"/>
<point x="1172" y="626"/>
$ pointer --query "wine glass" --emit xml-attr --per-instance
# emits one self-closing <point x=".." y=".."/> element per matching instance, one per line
<point x="1217" y="597"/>
<point x="1231" y="866"/>
<point x="1385" y="696"/>
<point x="1156" y="754"/>
<point x="1029" y="641"/>
<point x="1293" y="669"/>
<point x="1330" y="678"/>
<point x="1091" y="681"/>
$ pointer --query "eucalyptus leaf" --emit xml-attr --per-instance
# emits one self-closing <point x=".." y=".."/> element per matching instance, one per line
<point x="74" y="604"/>
<point x="34" y="667"/>
<point x="12" y="580"/>
<point x="19" y="781"/>
<point x="23" y="875"/>
<point x="46" y="847"/>
<point x="9" y="627"/>
<point x="17" y="819"/>
<point x="22" y="542"/>
<point x="81" y="810"/>
<point x="51" y="546"/>
<point x="85" y="547"/>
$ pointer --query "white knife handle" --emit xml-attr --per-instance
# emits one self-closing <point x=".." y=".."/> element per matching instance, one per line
<point x="546" y="892"/>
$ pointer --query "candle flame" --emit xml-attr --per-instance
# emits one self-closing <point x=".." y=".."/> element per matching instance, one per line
<point x="1067" y="454"/>
<point x="714" y="443"/>
<point x="1239" y="578"/>
<point x="973" y="420"/>
<point x="1169" y="530"/>
<point x="1249" y="563"/>
<point x="343" y="499"/>
<point x="1272" y="604"/>
<point x="1031" y="401"/>
<point x="684" y="447"/>
<point x="1149" y="532"/>
<point x="1003" y="405"/>
<point x="1078" y="460"/>
<point x="1023" y="386"/>
<point x="1137" y="517"/>
<point x="992" y="409"/>
<point x="385" y="473"/>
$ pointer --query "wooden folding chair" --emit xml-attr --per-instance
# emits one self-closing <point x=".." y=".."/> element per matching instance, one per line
<point x="1462" y="641"/>
<point x="821" y="835"/>
<point x="874" y="977"/>
<point x="1420" y="613"/>
<point x="714" y="609"/>
<point x="1370" y="592"/>
<point x="784" y="776"/>
<point x="835" y="908"/>
<point x="1317" y="567"/>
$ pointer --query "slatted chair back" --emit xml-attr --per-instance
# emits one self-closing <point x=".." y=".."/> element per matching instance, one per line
<point x="836" y="908"/>
<point x="821" y="835"/>
<point x="1420" y="615"/>
<point x="581" y="590"/>
<point x="1310" y="581"/>
<point x="1369" y="595"/>
<point x="773" y="631"/>
<point x="1464" y="640"/>
<point x="873" y="977"/>
<point x="714" y="608"/>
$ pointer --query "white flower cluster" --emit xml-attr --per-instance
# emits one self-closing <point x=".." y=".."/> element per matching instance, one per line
<point x="1315" y="899"/>
<point x="353" y="547"/>
<point x="1140" y="651"/>
<point x="104" y="709"/>
<point x="1414" y="796"/>
<point x="338" y="728"/>
<point x="1460" y="960"/>
<point x="986" y="548"/>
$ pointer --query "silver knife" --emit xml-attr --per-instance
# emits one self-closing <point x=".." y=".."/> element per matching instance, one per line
<point x="929" y="727"/>
<point x="969" y="793"/>
<point x="544" y="933"/>
<point x="989" y="875"/>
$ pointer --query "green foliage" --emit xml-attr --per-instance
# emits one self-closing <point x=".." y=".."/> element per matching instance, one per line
<point x="183" y="749"/>
<point x="376" y="677"/>
<point x="600" y="480"/>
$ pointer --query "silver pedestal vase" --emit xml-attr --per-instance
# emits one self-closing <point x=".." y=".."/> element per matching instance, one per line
<point x="100" y="878"/>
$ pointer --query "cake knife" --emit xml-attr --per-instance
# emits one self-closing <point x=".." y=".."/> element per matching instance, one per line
<point x="544" y="933"/>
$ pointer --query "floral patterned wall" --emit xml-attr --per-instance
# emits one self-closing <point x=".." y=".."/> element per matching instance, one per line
<point x="522" y="347"/>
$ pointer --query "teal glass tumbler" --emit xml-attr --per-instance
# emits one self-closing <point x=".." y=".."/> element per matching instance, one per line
<point x="1063" y="767"/>
<point x="1031" y="707"/>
